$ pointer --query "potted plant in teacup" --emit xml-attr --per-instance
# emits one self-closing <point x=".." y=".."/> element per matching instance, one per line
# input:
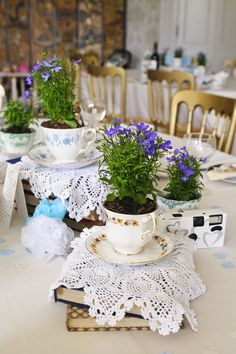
<point x="17" y="136"/>
<point x="130" y="161"/>
<point x="201" y="64"/>
<point x="65" y="133"/>
<point x="183" y="190"/>
<point x="177" y="60"/>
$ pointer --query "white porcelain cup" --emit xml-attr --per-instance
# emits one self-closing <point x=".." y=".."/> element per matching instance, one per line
<point x="66" y="145"/>
<point x="16" y="144"/>
<point x="129" y="234"/>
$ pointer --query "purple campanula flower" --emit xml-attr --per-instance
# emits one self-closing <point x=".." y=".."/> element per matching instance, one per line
<point x="170" y="159"/>
<point x="111" y="132"/>
<point x="165" y="145"/>
<point x="188" y="172"/>
<point x="203" y="159"/>
<point x="176" y="151"/>
<point x="26" y="94"/>
<point x="184" y="156"/>
<point x="52" y="60"/>
<point x="116" y="121"/>
<point x="141" y="126"/>
<point x="45" y="76"/>
<point x="184" y="178"/>
<point x="36" y="67"/>
<point x="124" y="131"/>
<point x="46" y="63"/>
<point x="56" y="69"/>
<point x="76" y="61"/>
<point x="29" y="80"/>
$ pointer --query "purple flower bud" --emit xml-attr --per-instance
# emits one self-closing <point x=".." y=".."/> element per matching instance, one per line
<point x="76" y="61"/>
<point x="116" y="121"/>
<point x="26" y="94"/>
<point x="36" y="67"/>
<point x="46" y="63"/>
<point x="29" y="80"/>
<point x="56" y="69"/>
<point x="45" y="76"/>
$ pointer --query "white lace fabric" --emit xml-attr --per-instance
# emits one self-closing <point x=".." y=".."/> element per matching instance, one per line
<point x="80" y="189"/>
<point x="162" y="290"/>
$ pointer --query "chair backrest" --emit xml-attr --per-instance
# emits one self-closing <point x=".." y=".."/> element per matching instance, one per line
<point x="161" y="86"/>
<point x="230" y="66"/>
<point x="109" y="84"/>
<point x="90" y="59"/>
<point x="221" y="124"/>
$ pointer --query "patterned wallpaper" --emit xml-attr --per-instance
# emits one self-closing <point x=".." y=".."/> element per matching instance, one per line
<point x="29" y="27"/>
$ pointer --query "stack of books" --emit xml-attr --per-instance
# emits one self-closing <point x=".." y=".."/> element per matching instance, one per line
<point x="78" y="318"/>
<point x="32" y="202"/>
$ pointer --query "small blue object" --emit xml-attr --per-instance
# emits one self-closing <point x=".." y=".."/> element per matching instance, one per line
<point x="2" y="240"/>
<point x="228" y="265"/>
<point x="219" y="255"/>
<point x="13" y="161"/>
<point x="186" y="60"/>
<point x="50" y="208"/>
<point x="6" y="252"/>
<point x="168" y="60"/>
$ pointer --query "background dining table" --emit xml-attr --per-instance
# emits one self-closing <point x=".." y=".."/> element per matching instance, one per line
<point x="30" y="324"/>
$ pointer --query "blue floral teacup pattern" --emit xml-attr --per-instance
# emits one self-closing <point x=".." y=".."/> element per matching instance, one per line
<point x="66" y="145"/>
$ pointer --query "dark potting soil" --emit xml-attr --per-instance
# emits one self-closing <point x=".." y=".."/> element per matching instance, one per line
<point x="128" y="206"/>
<point x="58" y="125"/>
<point x="17" y="130"/>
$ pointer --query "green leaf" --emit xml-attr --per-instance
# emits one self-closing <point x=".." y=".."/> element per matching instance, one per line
<point x="111" y="197"/>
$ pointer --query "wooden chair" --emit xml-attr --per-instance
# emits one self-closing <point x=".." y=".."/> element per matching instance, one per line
<point x="221" y="124"/>
<point x="229" y="66"/>
<point x="161" y="86"/>
<point x="90" y="59"/>
<point x="109" y="84"/>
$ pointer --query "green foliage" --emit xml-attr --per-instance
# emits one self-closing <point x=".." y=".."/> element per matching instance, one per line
<point x="184" y="176"/>
<point x="55" y="80"/>
<point x="130" y="161"/>
<point x="201" y="59"/>
<point x="178" y="53"/>
<point x="18" y="114"/>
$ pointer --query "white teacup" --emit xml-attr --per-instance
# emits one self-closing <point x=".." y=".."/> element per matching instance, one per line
<point x="66" y="145"/>
<point x="16" y="144"/>
<point x="129" y="234"/>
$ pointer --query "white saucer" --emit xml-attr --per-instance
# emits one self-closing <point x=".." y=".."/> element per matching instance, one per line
<point x="156" y="249"/>
<point x="230" y="180"/>
<point x="42" y="156"/>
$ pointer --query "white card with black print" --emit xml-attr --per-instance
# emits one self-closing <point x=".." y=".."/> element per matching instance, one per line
<point x="11" y="192"/>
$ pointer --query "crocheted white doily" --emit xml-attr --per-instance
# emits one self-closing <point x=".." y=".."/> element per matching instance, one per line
<point x="79" y="188"/>
<point x="162" y="290"/>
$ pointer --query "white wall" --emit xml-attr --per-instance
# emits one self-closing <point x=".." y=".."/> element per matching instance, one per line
<point x="195" y="25"/>
<point x="142" y="27"/>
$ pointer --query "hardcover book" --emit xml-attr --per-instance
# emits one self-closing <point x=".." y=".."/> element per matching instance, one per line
<point x="78" y="320"/>
<point x="75" y="297"/>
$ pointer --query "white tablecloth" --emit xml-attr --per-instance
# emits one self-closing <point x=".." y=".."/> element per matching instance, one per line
<point x="29" y="324"/>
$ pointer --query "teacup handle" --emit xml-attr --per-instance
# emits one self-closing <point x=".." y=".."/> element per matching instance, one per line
<point x="92" y="141"/>
<point x="39" y="141"/>
<point x="147" y="235"/>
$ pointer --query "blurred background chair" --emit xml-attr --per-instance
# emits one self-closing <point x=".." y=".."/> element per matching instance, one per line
<point x="108" y="84"/>
<point x="87" y="58"/>
<point x="218" y="116"/>
<point x="230" y="66"/>
<point x="161" y="87"/>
